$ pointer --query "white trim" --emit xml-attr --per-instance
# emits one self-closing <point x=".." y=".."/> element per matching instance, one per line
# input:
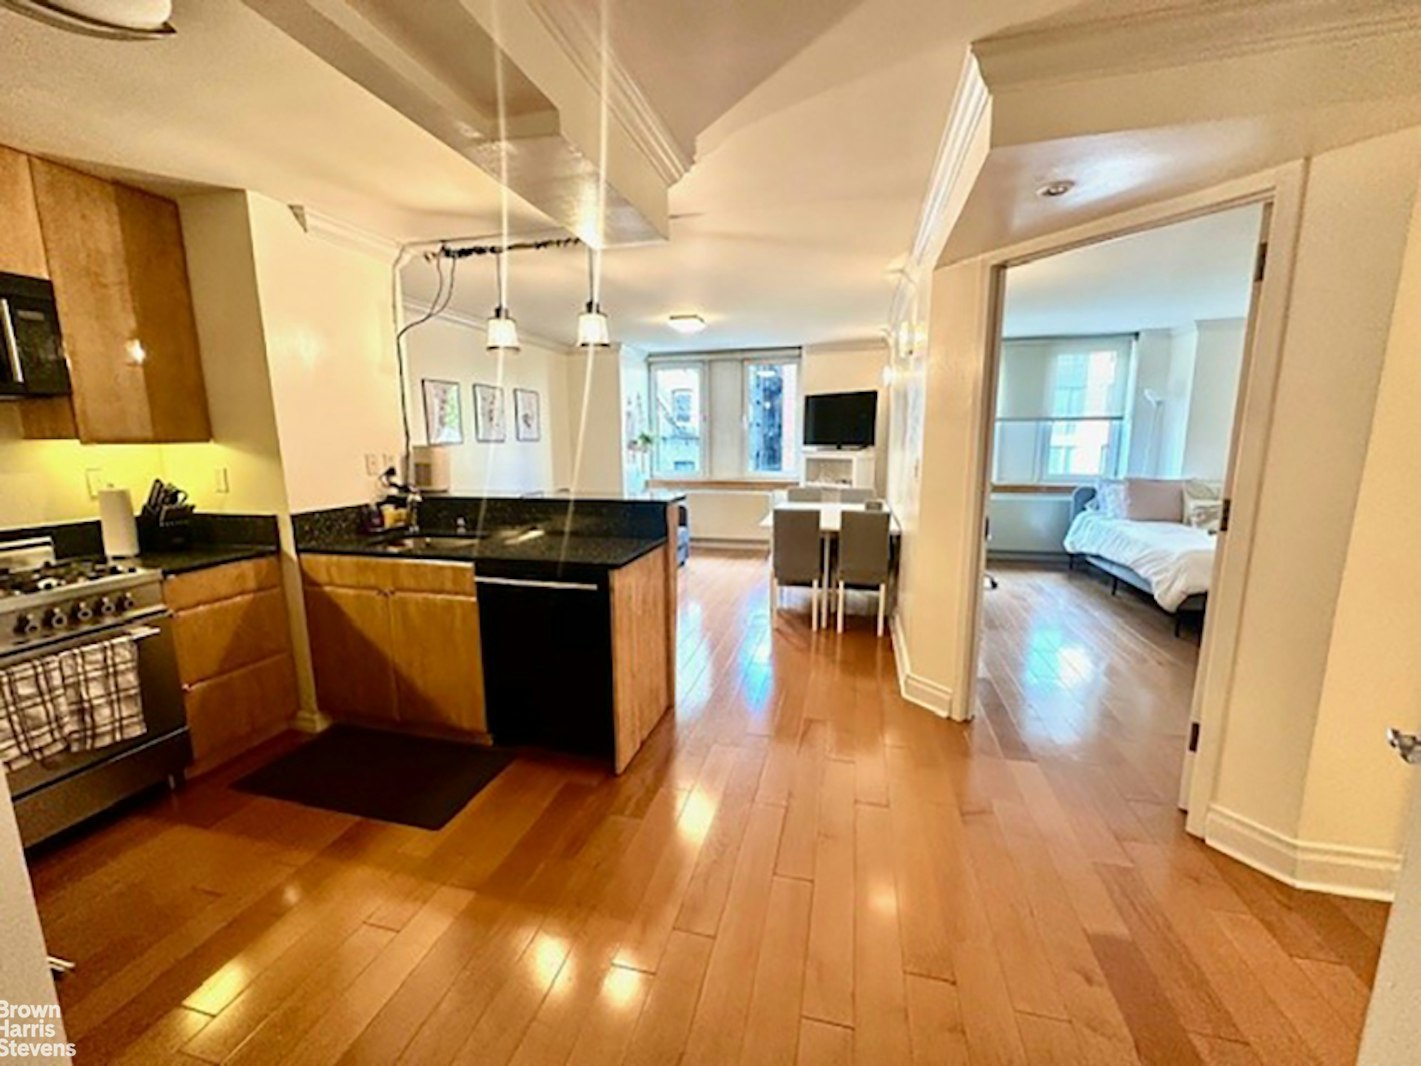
<point x="968" y="120"/>
<point x="914" y="688"/>
<point x="1060" y="51"/>
<point x="1362" y="873"/>
<point x="749" y="546"/>
<point x="342" y="233"/>
<point x="878" y="341"/>
<point x="626" y="102"/>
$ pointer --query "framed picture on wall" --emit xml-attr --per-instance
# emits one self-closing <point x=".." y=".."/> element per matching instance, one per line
<point x="527" y="415"/>
<point x="489" y="424"/>
<point x="443" y="415"/>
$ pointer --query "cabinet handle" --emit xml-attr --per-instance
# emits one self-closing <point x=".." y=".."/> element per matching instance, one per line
<point x="12" y="346"/>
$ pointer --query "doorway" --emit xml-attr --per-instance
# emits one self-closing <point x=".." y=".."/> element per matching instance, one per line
<point x="1108" y="480"/>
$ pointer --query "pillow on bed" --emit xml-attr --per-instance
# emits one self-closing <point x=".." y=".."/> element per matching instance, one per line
<point x="1150" y="500"/>
<point x="1207" y="515"/>
<point x="1110" y="498"/>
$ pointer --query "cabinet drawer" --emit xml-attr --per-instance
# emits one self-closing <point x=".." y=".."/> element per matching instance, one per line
<point x="225" y="710"/>
<point x="390" y="575"/>
<point x="221" y="582"/>
<point x="216" y="638"/>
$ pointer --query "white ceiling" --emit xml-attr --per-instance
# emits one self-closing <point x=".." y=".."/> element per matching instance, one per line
<point x="1159" y="279"/>
<point x="824" y="119"/>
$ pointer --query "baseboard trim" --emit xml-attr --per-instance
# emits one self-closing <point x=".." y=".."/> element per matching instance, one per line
<point x="1340" y="870"/>
<point x="929" y="694"/>
<point x="756" y="547"/>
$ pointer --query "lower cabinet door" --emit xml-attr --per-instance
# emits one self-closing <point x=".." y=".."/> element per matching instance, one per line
<point x="437" y="660"/>
<point x="224" y="711"/>
<point x="350" y="652"/>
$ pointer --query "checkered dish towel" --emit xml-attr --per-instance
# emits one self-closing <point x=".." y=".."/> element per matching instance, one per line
<point x="76" y="700"/>
<point x="33" y="712"/>
<point x="104" y="700"/>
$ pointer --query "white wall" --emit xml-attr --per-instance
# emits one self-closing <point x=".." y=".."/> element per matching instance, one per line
<point x="1153" y="349"/>
<point x="593" y="418"/>
<point x="1218" y="361"/>
<point x="855" y="367"/>
<point x="328" y="312"/>
<point x="1356" y="215"/>
<point x="636" y="418"/>
<point x="450" y="349"/>
<point x="24" y="973"/>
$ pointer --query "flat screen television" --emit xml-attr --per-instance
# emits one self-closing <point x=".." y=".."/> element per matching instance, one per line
<point x="840" y="419"/>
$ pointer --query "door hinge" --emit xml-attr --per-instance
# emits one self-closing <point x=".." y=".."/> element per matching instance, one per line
<point x="1225" y="513"/>
<point x="1193" y="736"/>
<point x="1260" y="263"/>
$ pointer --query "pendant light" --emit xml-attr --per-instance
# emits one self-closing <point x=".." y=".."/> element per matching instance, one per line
<point x="502" y="330"/>
<point x="593" y="330"/>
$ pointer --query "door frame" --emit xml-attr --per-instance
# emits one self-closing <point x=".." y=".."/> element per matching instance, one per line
<point x="1281" y="191"/>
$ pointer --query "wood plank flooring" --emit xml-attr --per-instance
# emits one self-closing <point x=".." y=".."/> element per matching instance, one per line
<point x="801" y="868"/>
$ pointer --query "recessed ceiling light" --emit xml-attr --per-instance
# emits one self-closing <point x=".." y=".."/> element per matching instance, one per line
<point x="1053" y="189"/>
<point x="687" y="323"/>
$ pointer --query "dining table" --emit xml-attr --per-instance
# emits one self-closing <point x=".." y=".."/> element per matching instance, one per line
<point x="831" y="520"/>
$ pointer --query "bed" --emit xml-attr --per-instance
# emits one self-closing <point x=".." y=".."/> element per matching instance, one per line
<point x="1169" y="561"/>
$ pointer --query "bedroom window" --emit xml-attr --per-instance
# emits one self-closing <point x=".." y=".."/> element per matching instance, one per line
<point x="1061" y="409"/>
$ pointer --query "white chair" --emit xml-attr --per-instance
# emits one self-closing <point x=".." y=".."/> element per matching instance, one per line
<point x="794" y="557"/>
<point x="864" y="557"/>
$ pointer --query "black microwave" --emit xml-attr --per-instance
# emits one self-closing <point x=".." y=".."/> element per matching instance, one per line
<point x="32" y="359"/>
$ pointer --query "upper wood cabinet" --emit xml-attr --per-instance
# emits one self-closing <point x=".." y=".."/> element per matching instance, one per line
<point x="115" y="255"/>
<point x="21" y="246"/>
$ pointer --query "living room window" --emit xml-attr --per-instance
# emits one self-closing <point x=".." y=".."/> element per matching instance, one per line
<point x="726" y="415"/>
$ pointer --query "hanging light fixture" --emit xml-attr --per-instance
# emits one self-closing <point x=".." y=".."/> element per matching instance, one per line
<point x="501" y="331"/>
<point x="122" y="20"/>
<point x="593" y="330"/>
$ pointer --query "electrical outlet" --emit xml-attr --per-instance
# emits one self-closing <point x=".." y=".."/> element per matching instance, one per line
<point x="222" y="482"/>
<point x="372" y="464"/>
<point x="94" y="480"/>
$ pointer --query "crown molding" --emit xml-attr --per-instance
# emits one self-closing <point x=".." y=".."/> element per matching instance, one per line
<point x="344" y="234"/>
<point x="627" y="103"/>
<point x="414" y="310"/>
<point x="962" y="142"/>
<point x="1196" y="32"/>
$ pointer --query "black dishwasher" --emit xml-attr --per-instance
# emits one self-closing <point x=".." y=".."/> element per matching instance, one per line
<point x="547" y="648"/>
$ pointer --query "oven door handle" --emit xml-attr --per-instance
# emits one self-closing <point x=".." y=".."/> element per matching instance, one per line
<point x="141" y="633"/>
<point x="134" y="627"/>
<point x="12" y="346"/>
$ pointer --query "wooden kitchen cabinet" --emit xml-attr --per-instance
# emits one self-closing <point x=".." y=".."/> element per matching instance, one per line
<point x="233" y="641"/>
<point x="396" y="642"/>
<point x="21" y="246"/>
<point x="116" y="258"/>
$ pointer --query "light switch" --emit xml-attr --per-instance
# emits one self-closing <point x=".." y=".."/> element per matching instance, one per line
<point x="95" y="482"/>
<point x="222" y="483"/>
<point x="372" y="464"/>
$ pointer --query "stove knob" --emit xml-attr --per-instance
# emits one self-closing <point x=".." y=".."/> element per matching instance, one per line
<point x="125" y="602"/>
<point x="106" y="605"/>
<point x="26" y="625"/>
<point x="82" y="612"/>
<point x="56" y="618"/>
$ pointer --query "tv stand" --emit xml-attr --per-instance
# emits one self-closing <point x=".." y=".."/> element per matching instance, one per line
<point x="839" y="468"/>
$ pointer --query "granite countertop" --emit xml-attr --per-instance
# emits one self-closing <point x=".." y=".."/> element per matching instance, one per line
<point x="202" y="556"/>
<point x="504" y="553"/>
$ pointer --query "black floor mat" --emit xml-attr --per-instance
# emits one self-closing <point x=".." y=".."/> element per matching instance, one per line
<point x="388" y="776"/>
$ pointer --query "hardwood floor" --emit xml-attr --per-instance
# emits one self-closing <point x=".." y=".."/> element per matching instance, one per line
<point x="802" y="868"/>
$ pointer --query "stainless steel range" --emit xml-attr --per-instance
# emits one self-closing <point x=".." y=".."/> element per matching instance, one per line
<point x="51" y="607"/>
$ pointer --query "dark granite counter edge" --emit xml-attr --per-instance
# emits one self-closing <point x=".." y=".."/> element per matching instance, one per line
<point x="501" y="565"/>
<point x="187" y="561"/>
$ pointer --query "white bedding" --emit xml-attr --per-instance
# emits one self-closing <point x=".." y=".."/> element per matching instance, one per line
<point x="1177" y="560"/>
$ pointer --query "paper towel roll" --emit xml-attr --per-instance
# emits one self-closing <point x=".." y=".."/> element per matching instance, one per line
<point x="116" y="520"/>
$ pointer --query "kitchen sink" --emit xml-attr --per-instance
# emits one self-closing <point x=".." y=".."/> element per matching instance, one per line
<point x="434" y="543"/>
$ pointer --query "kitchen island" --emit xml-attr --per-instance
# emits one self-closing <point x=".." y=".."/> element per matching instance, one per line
<point x="542" y="622"/>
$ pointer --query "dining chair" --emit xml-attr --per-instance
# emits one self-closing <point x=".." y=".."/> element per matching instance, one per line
<point x="804" y="494"/>
<point x="855" y="495"/>
<point x="864" y="557"/>
<point x="873" y="505"/>
<point x="794" y="557"/>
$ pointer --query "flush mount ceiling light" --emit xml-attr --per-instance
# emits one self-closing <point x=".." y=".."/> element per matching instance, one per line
<point x="119" y="20"/>
<point x="687" y="323"/>
<point x="1053" y="189"/>
<point x="593" y="329"/>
